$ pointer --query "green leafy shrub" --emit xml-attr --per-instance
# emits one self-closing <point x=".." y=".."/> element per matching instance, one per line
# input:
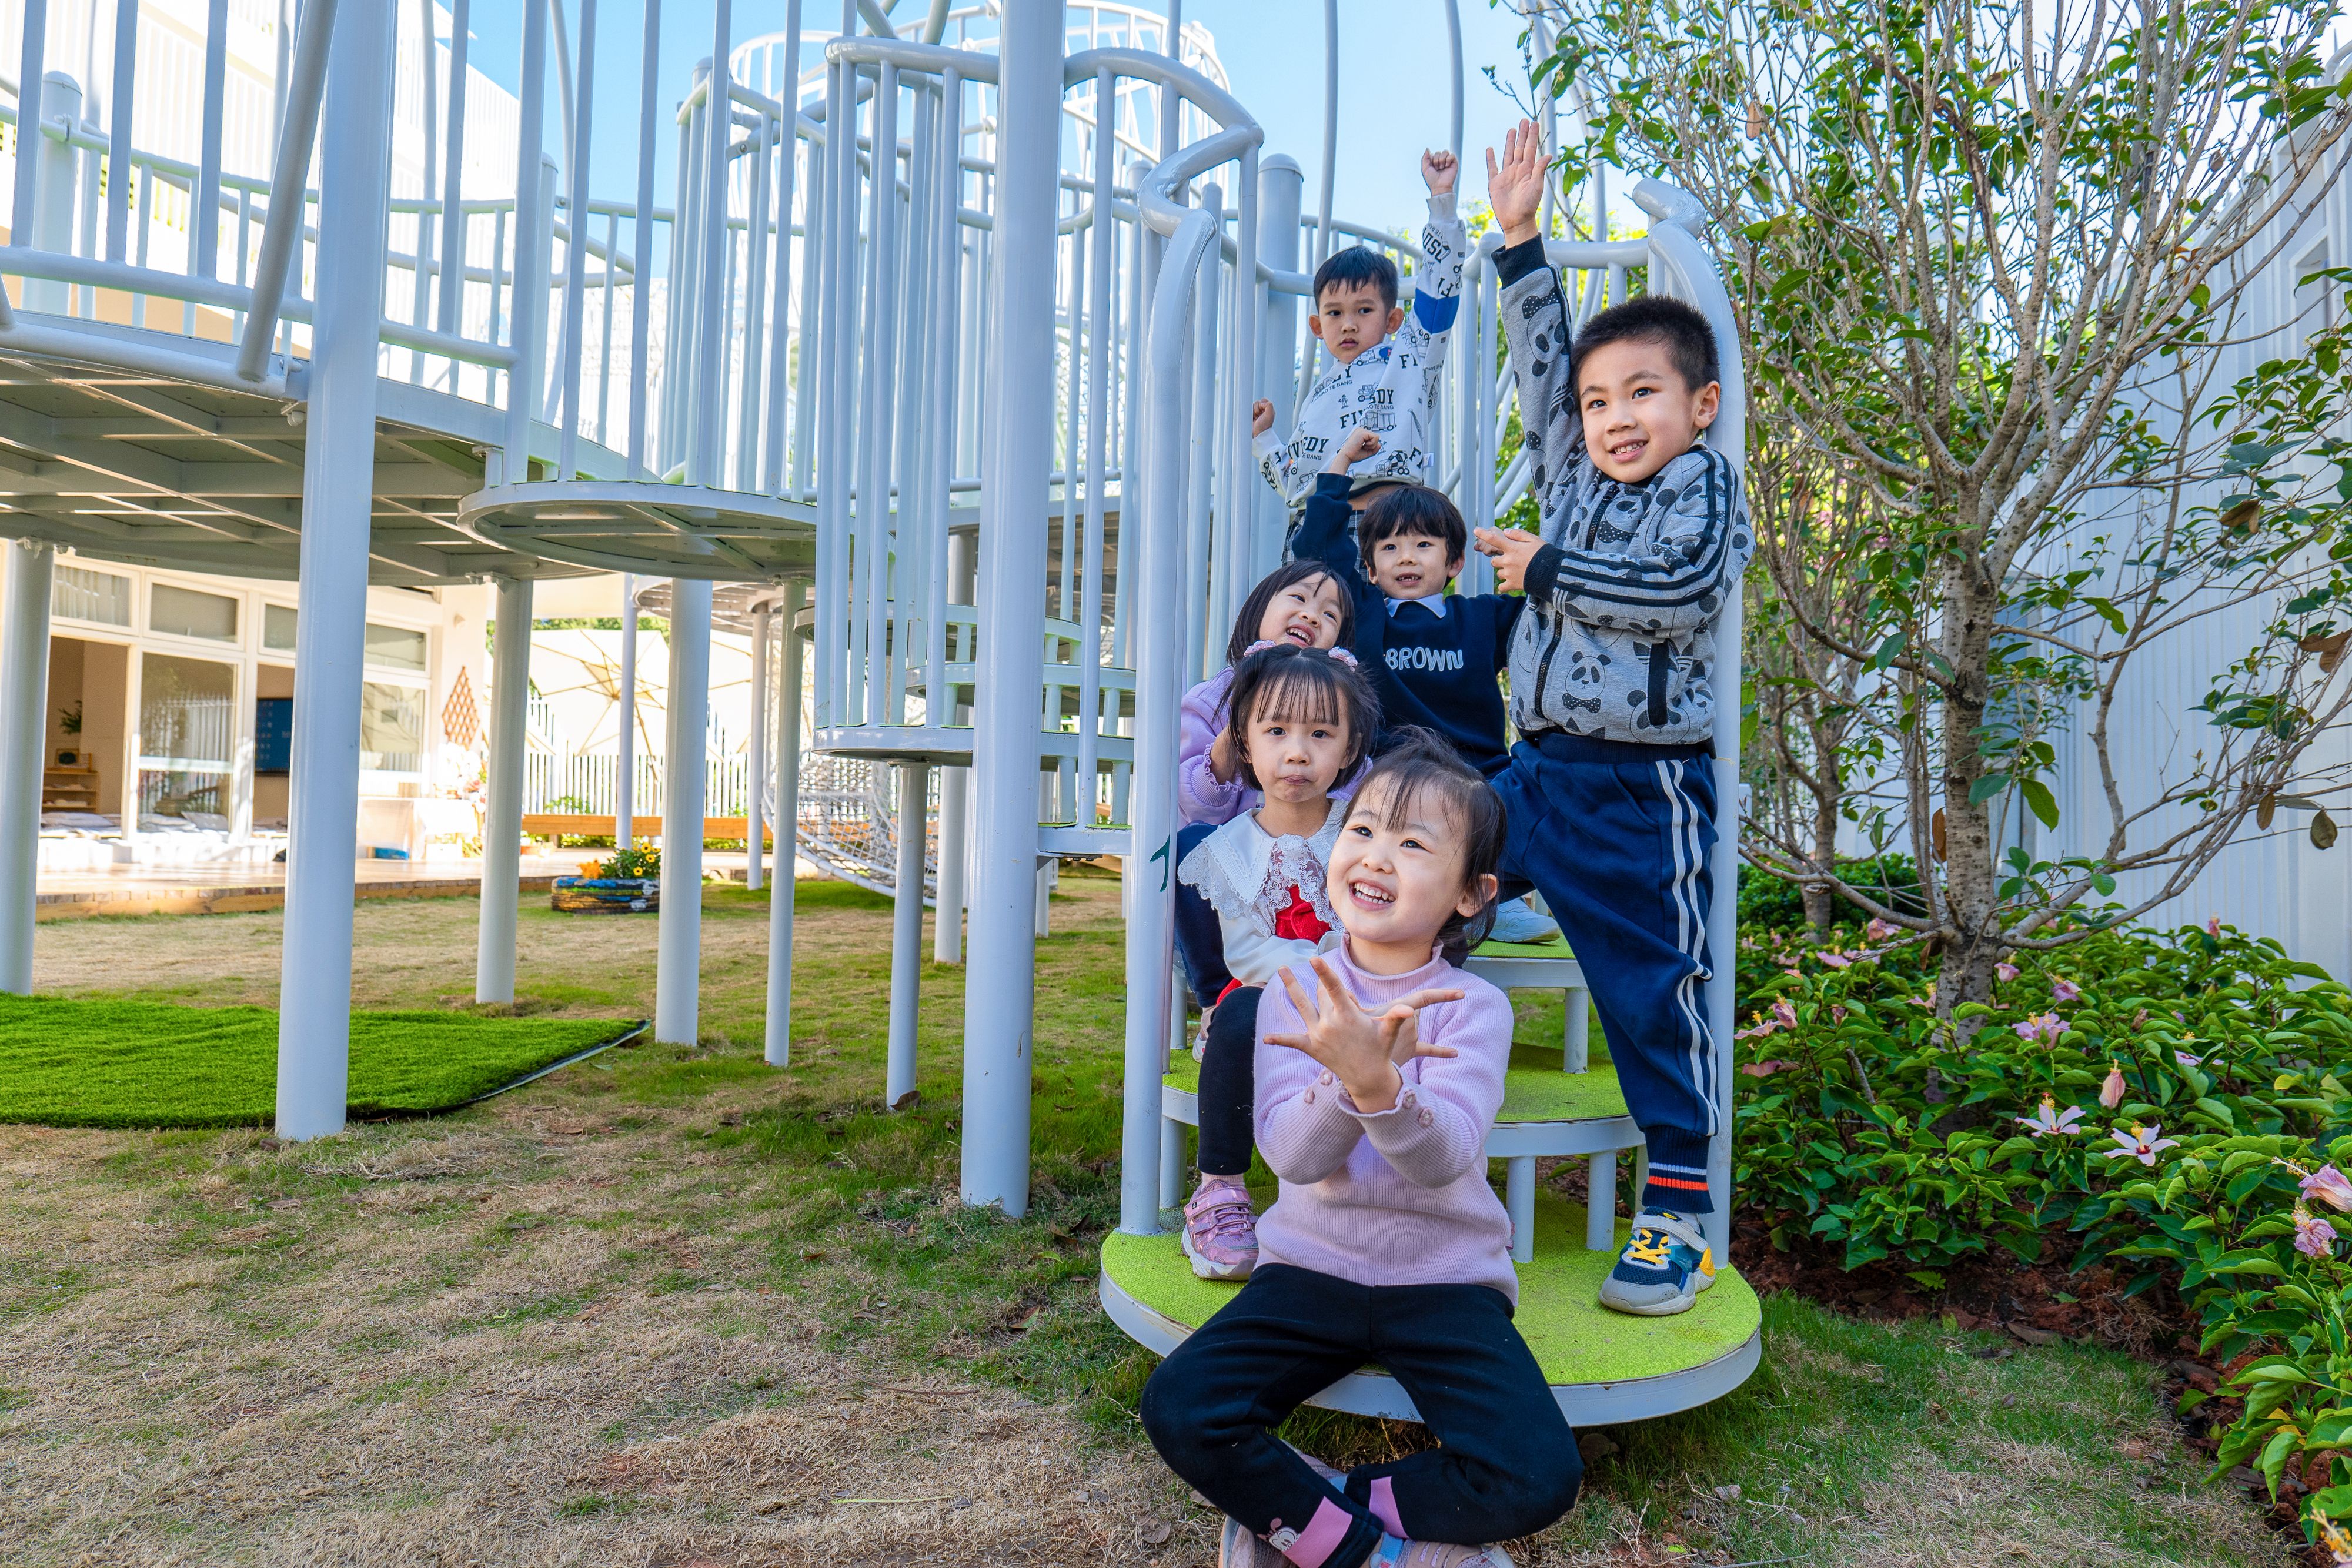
<point x="634" y="860"/>
<point x="2170" y="1105"/>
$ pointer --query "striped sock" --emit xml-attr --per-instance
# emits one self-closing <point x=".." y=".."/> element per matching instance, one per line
<point x="1677" y="1174"/>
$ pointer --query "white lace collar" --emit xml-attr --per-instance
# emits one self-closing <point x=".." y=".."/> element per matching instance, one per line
<point x="1246" y="872"/>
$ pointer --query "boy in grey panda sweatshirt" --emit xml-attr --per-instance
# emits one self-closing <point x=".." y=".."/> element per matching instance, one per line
<point x="1610" y="791"/>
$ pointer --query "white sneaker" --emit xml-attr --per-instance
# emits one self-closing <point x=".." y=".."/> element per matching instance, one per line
<point x="1514" y="922"/>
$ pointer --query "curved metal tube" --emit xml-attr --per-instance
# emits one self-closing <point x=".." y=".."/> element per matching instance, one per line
<point x="291" y="173"/>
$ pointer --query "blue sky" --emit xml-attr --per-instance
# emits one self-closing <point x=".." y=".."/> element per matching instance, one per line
<point x="1393" y="99"/>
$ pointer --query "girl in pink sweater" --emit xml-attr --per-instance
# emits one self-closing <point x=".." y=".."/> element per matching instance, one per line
<point x="1380" y="1070"/>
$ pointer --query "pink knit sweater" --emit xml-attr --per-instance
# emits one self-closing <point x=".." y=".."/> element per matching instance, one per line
<point x="1399" y="1197"/>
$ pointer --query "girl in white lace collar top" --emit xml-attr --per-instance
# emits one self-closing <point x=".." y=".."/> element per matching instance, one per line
<point x="1300" y="719"/>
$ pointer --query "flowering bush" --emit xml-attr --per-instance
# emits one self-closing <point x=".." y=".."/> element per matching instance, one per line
<point x="2176" y="1105"/>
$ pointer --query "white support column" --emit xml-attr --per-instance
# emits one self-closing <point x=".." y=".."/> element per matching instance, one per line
<point x="907" y="932"/>
<point x="1000" y="996"/>
<point x="947" y="908"/>
<point x="338" y="484"/>
<point x="494" y="942"/>
<point x="624" y="783"/>
<point x="755" y="805"/>
<point x="1281" y="191"/>
<point x="53" y="205"/>
<point x="678" y="983"/>
<point x="24" y="738"/>
<point x="788" y="817"/>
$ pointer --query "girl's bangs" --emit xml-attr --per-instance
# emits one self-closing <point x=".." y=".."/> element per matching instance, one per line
<point x="1302" y="691"/>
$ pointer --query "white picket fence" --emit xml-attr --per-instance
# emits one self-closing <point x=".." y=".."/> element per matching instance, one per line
<point x="590" y="782"/>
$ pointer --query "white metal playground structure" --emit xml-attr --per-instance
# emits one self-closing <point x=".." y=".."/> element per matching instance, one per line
<point x="937" y="372"/>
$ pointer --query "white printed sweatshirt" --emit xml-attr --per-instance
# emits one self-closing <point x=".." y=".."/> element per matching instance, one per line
<point x="1390" y="388"/>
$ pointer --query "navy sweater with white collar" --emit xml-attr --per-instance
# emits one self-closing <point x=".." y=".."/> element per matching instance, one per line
<point x="1435" y="662"/>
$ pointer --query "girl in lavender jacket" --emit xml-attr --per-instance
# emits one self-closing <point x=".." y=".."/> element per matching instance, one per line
<point x="1379" y="1070"/>
<point x="1298" y="602"/>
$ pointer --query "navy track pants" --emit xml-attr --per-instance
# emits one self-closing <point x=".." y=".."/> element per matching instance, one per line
<point x="1617" y="837"/>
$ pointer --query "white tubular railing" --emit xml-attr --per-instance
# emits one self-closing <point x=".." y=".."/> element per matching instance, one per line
<point x="1191" y="249"/>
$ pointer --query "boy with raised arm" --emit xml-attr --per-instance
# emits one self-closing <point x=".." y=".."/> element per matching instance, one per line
<point x="1386" y="361"/>
<point x="1610" y="791"/>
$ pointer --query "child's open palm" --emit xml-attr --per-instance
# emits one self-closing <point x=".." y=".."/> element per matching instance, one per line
<point x="1515" y="186"/>
<point x="1363" y="1049"/>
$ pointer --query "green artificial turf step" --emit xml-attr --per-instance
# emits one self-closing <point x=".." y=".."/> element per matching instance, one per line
<point x="1555" y="948"/>
<point x="1534" y="1089"/>
<point x="1574" y="1338"/>
<point x="67" y="1061"/>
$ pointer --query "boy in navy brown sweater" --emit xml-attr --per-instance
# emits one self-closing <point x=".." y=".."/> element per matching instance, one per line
<point x="1433" y="657"/>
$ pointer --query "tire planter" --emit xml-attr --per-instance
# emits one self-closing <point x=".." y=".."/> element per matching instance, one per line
<point x="606" y="895"/>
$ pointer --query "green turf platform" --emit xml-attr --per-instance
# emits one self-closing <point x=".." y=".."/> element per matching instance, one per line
<point x="68" y="1062"/>
<point x="1575" y="1340"/>
<point x="1555" y="948"/>
<point x="1534" y="1090"/>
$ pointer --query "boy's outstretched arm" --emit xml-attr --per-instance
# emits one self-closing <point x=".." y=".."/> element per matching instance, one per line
<point x="1274" y="459"/>
<point x="1437" y="282"/>
<point x="1323" y="533"/>
<point x="1535" y="317"/>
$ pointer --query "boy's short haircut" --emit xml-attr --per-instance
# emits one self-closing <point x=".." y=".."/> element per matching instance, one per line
<point x="1412" y="511"/>
<point x="1652" y="319"/>
<point x="1252" y="611"/>
<point x="1417" y="764"/>
<point x="1357" y="266"/>
<point x="1305" y="685"/>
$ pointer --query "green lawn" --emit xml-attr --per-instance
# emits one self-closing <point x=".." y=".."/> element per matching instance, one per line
<point x="675" y="1305"/>
<point x="88" y="1062"/>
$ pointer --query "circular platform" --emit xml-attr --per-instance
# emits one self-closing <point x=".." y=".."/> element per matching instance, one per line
<point x="643" y="525"/>
<point x="1603" y="1366"/>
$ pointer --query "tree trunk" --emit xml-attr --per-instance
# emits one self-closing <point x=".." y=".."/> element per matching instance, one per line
<point x="1971" y="938"/>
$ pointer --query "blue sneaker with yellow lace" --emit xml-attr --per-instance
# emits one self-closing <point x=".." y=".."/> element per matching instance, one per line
<point x="1662" y="1270"/>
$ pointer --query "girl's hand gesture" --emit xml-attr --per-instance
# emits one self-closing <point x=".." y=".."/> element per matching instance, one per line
<point x="1515" y="186"/>
<point x="1360" y="444"/>
<point x="1362" y="1050"/>
<point x="1438" y="172"/>
<point x="1261" y="417"/>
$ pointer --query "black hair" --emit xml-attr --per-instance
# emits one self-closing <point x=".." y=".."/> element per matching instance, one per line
<point x="1652" y="319"/>
<point x="1413" y="511"/>
<point x="1353" y="268"/>
<point x="1252" y="611"/>
<point x="1306" y="684"/>
<point x="1419" y="764"/>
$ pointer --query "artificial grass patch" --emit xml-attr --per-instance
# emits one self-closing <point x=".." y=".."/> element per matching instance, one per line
<point x="89" y="1062"/>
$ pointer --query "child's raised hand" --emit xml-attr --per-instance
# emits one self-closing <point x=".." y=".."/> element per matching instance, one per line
<point x="1222" y="765"/>
<point x="1512" y="549"/>
<point x="1362" y="1050"/>
<point x="1360" y="444"/>
<point x="1515" y="187"/>
<point x="1261" y="417"/>
<point x="1438" y="172"/>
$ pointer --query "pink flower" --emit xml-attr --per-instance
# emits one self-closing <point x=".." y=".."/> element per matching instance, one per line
<point x="2065" y="991"/>
<point x="2314" y="1237"/>
<point x="2329" y="1187"/>
<point x="1834" y="960"/>
<point x="2141" y="1143"/>
<point x="2212" y="925"/>
<point x="2186" y="1060"/>
<point x="1784" y="1013"/>
<point x="1765" y="1068"/>
<point x="2044" y="1027"/>
<point x="2111" y="1092"/>
<point x="1837" y="1012"/>
<point x="1877" y="930"/>
<point x="2006" y="971"/>
<point x="2050" y="1119"/>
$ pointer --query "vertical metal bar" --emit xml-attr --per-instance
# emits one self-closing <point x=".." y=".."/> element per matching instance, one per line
<point x="906" y="935"/>
<point x="625" y="788"/>
<point x="206" y="262"/>
<point x="1241" y="486"/>
<point x="529" y="250"/>
<point x="999" y="1001"/>
<point x="1200" y="503"/>
<point x="1104" y="254"/>
<point x="710" y="369"/>
<point x="678" y="979"/>
<point x="779" y="1033"/>
<point x="339" y="467"/>
<point x="604" y="349"/>
<point x="281" y="233"/>
<point x="575" y="270"/>
<point x="1330" y="165"/>
<point x="641" y="294"/>
<point x="119" y="101"/>
<point x="874" y="475"/>
<point x="494" y="952"/>
<point x="32" y="111"/>
<point x="942" y="332"/>
<point x="421" y="278"/>
<point x="833" y="400"/>
<point x="755" y="808"/>
<point x="453" y="177"/>
<point x="24" y="735"/>
<point x="814" y="236"/>
<point x="781" y="291"/>
<point x="756" y="278"/>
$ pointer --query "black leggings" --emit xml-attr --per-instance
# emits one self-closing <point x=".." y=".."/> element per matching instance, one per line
<point x="1229" y="1085"/>
<point x="1505" y="1465"/>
